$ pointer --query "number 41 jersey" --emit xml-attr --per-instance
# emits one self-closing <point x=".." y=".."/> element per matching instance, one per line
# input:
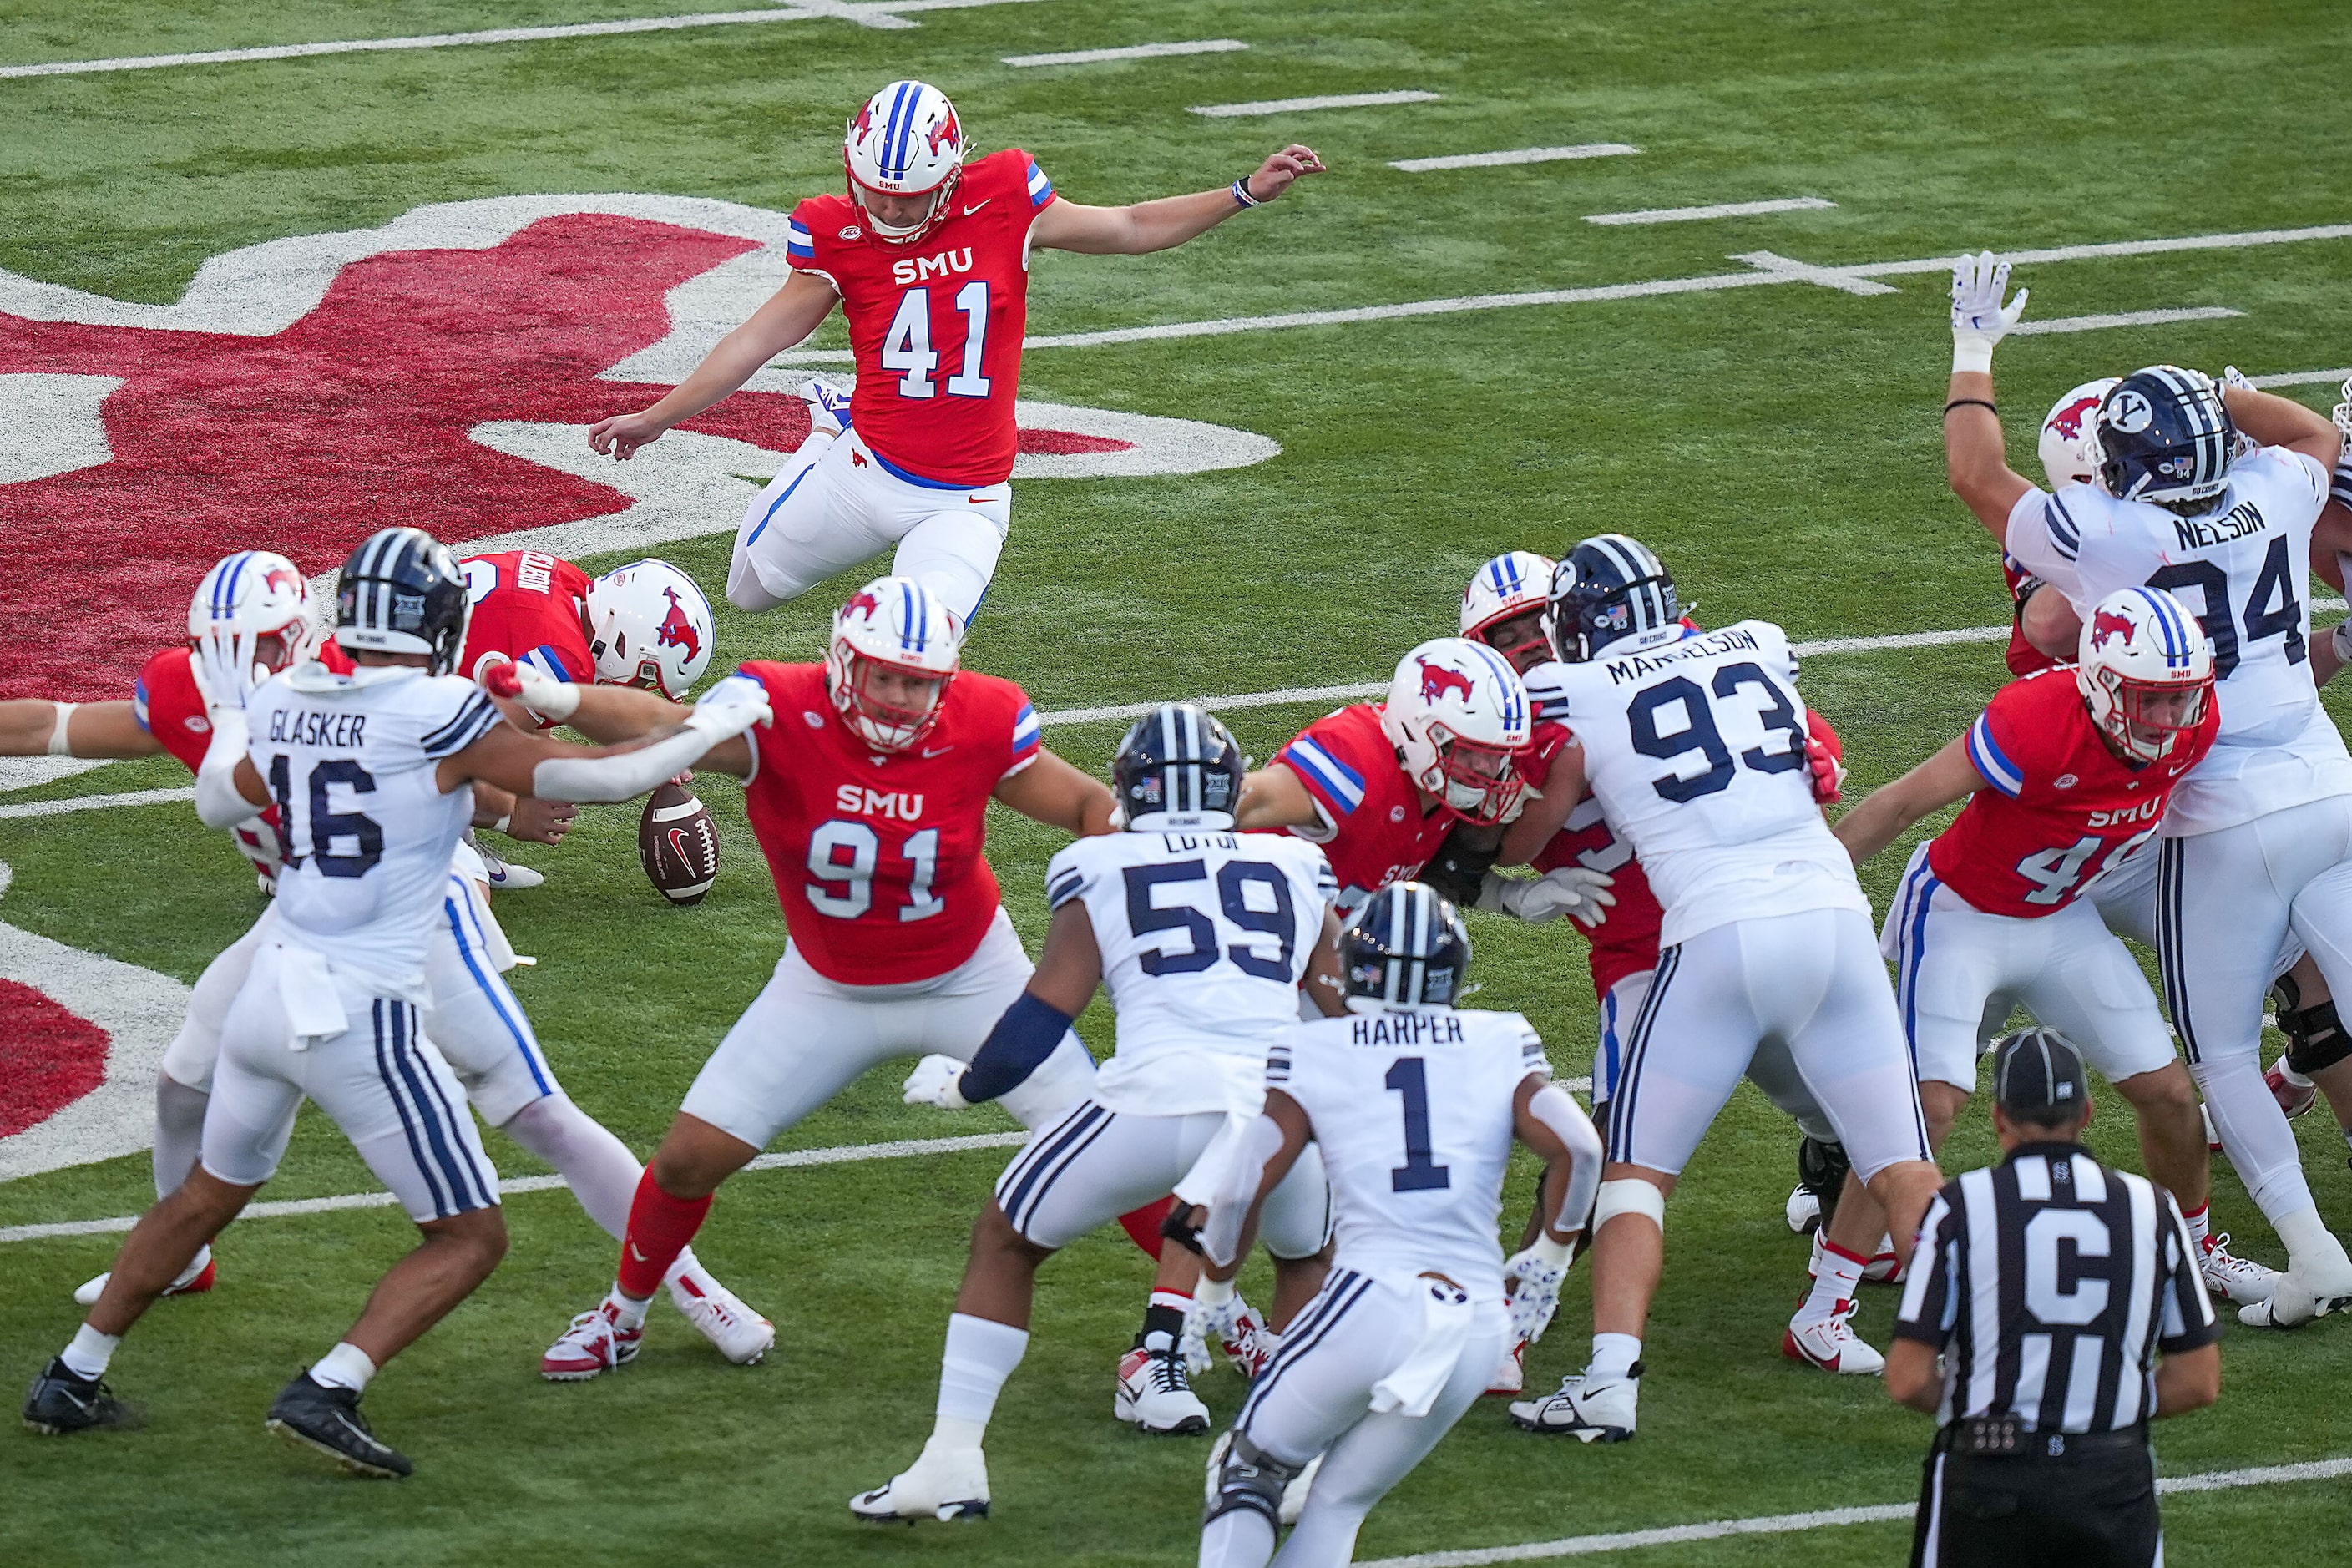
<point x="1205" y="936"/>
<point x="1413" y="1113"/>
<point x="1696" y="749"/>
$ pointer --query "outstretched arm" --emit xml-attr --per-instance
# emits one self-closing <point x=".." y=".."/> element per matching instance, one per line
<point x="1274" y="796"/>
<point x="29" y="728"/>
<point x="535" y="766"/>
<point x="1051" y="791"/>
<point x="791" y="314"/>
<point x="1167" y="222"/>
<point x="1886" y="811"/>
<point x="610" y="714"/>
<point x="2277" y="421"/>
<point x="1974" y="454"/>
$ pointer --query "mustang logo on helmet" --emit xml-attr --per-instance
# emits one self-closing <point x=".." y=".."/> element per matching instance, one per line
<point x="2068" y="421"/>
<point x="677" y="629"/>
<point x="946" y="131"/>
<point x="2106" y="624"/>
<point x="862" y="600"/>
<point x="863" y="126"/>
<point x="1436" y="680"/>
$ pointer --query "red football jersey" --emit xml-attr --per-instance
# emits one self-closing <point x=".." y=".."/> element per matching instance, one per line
<point x="2057" y="807"/>
<point x="2023" y="657"/>
<point x="937" y="325"/>
<point x="1373" y="830"/>
<point x="878" y="857"/>
<point x="527" y="609"/>
<point x="1627" y="941"/>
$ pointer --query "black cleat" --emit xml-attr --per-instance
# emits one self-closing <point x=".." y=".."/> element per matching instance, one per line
<point x="329" y="1420"/>
<point x="60" y="1402"/>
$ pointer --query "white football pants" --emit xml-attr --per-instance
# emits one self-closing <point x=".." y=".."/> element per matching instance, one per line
<point x="2225" y="902"/>
<point x="1771" y="1069"/>
<point x="1315" y="1397"/>
<point x="2126" y="895"/>
<point x="835" y="504"/>
<point x="805" y="1037"/>
<point x="1812" y="981"/>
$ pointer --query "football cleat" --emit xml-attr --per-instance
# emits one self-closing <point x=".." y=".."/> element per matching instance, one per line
<point x="329" y="1420"/>
<point x="195" y="1281"/>
<point x="1591" y="1412"/>
<point x="1511" y="1376"/>
<point x="1832" y="1344"/>
<point x="1883" y="1268"/>
<point x="2307" y="1290"/>
<point x="61" y="1400"/>
<point x="828" y="407"/>
<point x="2235" y="1278"/>
<point x="1155" y="1395"/>
<point x="942" y="1483"/>
<point x="1252" y="1346"/>
<point x="1805" y="1210"/>
<point x="595" y="1343"/>
<point x="742" y="1335"/>
<point x="1294" y="1491"/>
<point x="2294" y="1095"/>
<point x="504" y="874"/>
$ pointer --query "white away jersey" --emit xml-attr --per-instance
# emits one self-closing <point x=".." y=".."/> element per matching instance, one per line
<point x="2242" y="570"/>
<point x="1696" y="749"/>
<point x="1204" y="937"/>
<point x="1413" y="1114"/>
<point x="367" y="833"/>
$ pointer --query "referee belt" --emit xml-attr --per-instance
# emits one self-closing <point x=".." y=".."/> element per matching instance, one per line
<point x="2007" y="1437"/>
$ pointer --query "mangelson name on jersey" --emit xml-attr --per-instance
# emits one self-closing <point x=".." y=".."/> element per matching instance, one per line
<point x="936" y="325"/>
<point x="1372" y="824"/>
<point x="878" y="857"/>
<point x="2058" y="808"/>
<point x="527" y="609"/>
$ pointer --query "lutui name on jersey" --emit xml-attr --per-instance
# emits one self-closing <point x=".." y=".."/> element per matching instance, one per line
<point x="1706" y="644"/>
<point x="310" y="727"/>
<point x="1406" y="1029"/>
<point x="2195" y="532"/>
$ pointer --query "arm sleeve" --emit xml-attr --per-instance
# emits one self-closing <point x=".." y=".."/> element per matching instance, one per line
<point x="2046" y="540"/>
<point x="1023" y="1038"/>
<point x="1552" y="1106"/>
<point x="219" y="803"/>
<point x="2187" y="1321"/>
<point x="1931" y="1300"/>
<point x="622" y="777"/>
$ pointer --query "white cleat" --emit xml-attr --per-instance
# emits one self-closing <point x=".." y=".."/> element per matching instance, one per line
<point x="1805" y="1210"/>
<point x="1156" y="1397"/>
<point x="194" y="1280"/>
<point x="1511" y="1375"/>
<point x="1590" y="1412"/>
<point x="828" y="407"/>
<point x="742" y="1335"/>
<point x="2307" y="1290"/>
<point x="504" y="874"/>
<point x="593" y="1345"/>
<point x="1832" y="1344"/>
<point x="942" y="1483"/>
<point x="1294" y="1493"/>
<point x="2235" y="1278"/>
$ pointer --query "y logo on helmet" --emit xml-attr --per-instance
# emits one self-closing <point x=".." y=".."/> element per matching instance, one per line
<point x="1436" y="680"/>
<point x="2068" y="421"/>
<point x="2129" y="411"/>
<point x="677" y="629"/>
<point x="2106" y="624"/>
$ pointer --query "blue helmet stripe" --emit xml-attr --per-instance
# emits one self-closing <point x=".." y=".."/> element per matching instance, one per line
<point x="887" y="161"/>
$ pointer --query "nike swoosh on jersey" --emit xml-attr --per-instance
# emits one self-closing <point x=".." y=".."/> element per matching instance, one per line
<point x="929" y="751"/>
<point x="977" y="206"/>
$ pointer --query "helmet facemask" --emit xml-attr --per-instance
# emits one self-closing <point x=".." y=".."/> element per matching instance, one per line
<point x="1480" y="781"/>
<point x="941" y="196"/>
<point x="2143" y="718"/>
<point x="895" y="717"/>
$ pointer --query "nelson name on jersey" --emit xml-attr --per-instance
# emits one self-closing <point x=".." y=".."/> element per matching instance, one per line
<point x="2238" y="522"/>
<point x="1705" y="645"/>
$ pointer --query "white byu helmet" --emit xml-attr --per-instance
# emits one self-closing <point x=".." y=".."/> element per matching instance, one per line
<point x="892" y="627"/>
<point x="2070" y="434"/>
<point x="649" y="626"/>
<point x="1458" y="717"/>
<point x="2146" y="670"/>
<point x="906" y="142"/>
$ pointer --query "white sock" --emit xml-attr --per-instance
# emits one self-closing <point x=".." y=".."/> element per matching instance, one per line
<point x="596" y="1165"/>
<point x="1837" y="1275"/>
<point x="2290" y="1076"/>
<point x="345" y="1366"/>
<point x="979" y="1356"/>
<point x="628" y="1313"/>
<point x="1613" y="1356"/>
<point x="2306" y="1236"/>
<point x="90" y="1352"/>
<point x="2200" y="1224"/>
<point x="2255" y="1134"/>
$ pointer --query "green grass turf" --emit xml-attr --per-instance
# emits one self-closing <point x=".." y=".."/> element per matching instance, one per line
<point x="1777" y="445"/>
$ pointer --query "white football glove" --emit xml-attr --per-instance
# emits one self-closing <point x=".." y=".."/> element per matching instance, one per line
<point x="1217" y="1310"/>
<point x="729" y="708"/>
<point x="1576" y="891"/>
<point x="225" y="669"/>
<point x="534" y="688"/>
<point x="1535" y="1296"/>
<point x="1979" y="318"/>
<point x="937" y="1080"/>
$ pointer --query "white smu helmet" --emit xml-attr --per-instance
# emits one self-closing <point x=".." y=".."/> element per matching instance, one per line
<point x="906" y="142"/>
<point x="255" y="595"/>
<point x="1458" y="717"/>
<point x="2070" y="434"/>
<point x="1510" y="585"/>
<point x="892" y="624"/>
<point x="649" y="626"/>
<point x="2141" y="652"/>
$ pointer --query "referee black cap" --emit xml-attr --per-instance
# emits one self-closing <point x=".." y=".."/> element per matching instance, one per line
<point x="2037" y="1075"/>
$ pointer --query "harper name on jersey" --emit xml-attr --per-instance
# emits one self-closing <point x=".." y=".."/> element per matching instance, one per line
<point x="527" y="609"/>
<point x="2058" y="808"/>
<point x="878" y="855"/>
<point x="1372" y="827"/>
<point x="936" y="325"/>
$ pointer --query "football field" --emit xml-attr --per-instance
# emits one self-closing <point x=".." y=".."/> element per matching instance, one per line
<point x="1701" y="301"/>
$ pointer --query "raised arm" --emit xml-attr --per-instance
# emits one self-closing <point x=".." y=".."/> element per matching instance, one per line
<point x="1886" y="811"/>
<point x="2277" y="421"/>
<point x="1975" y="455"/>
<point x="1051" y="791"/>
<point x="791" y="314"/>
<point x="31" y="727"/>
<point x="1169" y="222"/>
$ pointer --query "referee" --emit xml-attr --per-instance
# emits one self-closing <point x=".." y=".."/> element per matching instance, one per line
<point x="2047" y="1284"/>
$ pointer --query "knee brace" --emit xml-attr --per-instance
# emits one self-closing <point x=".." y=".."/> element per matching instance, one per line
<point x="2314" y="1035"/>
<point x="1629" y="1194"/>
<point x="1821" y="1171"/>
<point x="1250" y="1478"/>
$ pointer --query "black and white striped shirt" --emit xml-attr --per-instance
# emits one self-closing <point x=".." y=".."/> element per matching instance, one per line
<point x="2049" y="1283"/>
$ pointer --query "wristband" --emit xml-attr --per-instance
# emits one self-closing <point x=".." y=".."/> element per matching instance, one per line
<point x="1971" y="402"/>
<point x="501" y="825"/>
<point x="1241" y="193"/>
<point x="59" y="747"/>
<point x="1554" y="1254"/>
<point x="1971" y="353"/>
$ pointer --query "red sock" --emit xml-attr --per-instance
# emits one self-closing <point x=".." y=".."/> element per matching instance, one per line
<point x="1143" y="1224"/>
<point x="660" y="1226"/>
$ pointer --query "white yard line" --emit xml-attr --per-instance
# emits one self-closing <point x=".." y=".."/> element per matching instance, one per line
<point x="97" y="802"/>
<point x="1720" y="209"/>
<point x="1327" y="100"/>
<point x="867" y="15"/>
<point x="1522" y="155"/>
<point x="2300" y="377"/>
<point x="1825" y="1518"/>
<point x="2126" y="319"/>
<point x="1131" y="52"/>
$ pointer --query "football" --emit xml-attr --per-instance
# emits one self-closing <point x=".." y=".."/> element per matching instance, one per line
<point x="679" y="844"/>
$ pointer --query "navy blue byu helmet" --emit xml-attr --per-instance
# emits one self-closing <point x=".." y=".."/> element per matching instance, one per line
<point x="400" y="592"/>
<point x="1406" y="948"/>
<point x="2165" y="437"/>
<point x="1609" y="586"/>
<point x="1178" y="768"/>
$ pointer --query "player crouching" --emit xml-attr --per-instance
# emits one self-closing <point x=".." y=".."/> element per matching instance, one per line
<point x="1204" y="936"/>
<point x="1413" y="1105"/>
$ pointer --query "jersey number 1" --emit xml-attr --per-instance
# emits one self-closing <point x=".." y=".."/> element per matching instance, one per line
<point x="1408" y="1076"/>
<point x="907" y="346"/>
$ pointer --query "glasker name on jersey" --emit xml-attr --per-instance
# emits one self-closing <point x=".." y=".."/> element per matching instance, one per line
<point x="301" y="727"/>
<point x="2196" y="533"/>
<point x="1406" y="1029"/>
<point x="914" y="269"/>
<point x="897" y="804"/>
<point x="1706" y="644"/>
